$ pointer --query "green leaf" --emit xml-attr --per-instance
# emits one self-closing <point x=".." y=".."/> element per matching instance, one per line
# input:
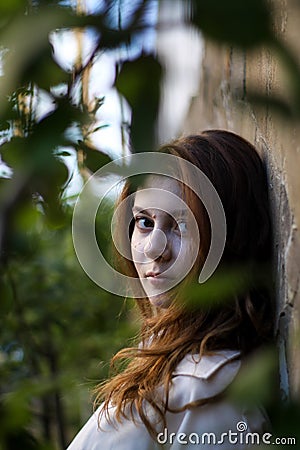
<point x="8" y="7"/>
<point x="139" y="82"/>
<point x="26" y="37"/>
<point x="49" y="134"/>
<point x="255" y="384"/>
<point x="43" y="70"/>
<point x="274" y="103"/>
<point x="4" y="126"/>
<point x="50" y="179"/>
<point x="94" y="159"/>
<point x="243" y="23"/>
<point x="224" y="284"/>
<point x="13" y="153"/>
<point x="63" y="153"/>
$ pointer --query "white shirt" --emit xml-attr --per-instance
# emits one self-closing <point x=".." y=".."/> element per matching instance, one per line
<point x="197" y="427"/>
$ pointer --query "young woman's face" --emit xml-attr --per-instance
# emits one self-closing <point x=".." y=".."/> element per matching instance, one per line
<point x="163" y="239"/>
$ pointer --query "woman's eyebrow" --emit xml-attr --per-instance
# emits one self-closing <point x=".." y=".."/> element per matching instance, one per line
<point x="174" y="213"/>
<point x="136" y="209"/>
<point x="179" y="212"/>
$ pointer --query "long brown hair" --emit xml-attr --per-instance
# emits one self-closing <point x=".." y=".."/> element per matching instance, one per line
<point x="242" y="321"/>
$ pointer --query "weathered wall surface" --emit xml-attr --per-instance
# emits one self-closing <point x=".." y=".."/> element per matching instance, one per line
<point x="227" y="77"/>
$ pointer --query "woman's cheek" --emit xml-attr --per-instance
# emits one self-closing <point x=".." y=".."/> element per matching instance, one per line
<point x="137" y="249"/>
<point x="184" y="253"/>
<point x="183" y="247"/>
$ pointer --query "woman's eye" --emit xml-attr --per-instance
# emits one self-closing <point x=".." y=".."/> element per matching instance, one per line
<point x="181" y="226"/>
<point x="144" y="223"/>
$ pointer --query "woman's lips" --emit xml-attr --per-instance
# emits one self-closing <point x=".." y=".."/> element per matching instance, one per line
<point x="156" y="278"/>
<point x="152" y="274"/>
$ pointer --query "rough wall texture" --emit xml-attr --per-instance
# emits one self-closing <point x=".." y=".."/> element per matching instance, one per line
<point x="227" y="76"/>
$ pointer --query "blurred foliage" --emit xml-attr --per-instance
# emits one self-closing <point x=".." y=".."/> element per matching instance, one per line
<point x="133" y="82"/>
<point x="59" y="326"/>
<point x="56" y="324"/>
<point x="232" y="21"/>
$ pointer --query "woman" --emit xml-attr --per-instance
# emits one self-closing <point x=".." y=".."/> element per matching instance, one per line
<point x="173" y="391"/>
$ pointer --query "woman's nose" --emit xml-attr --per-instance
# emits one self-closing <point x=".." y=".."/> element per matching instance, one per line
<point x="158" y="246"/>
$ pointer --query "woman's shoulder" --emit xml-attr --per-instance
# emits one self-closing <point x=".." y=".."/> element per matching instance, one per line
<point x="196" y="394"/>
<point x="196" y="378"/>
<point x="207" y="365"/>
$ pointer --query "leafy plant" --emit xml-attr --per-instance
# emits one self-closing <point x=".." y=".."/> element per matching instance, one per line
<point x="56" y="325"/>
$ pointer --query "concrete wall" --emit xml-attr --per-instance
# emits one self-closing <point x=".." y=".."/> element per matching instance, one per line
<point x="227" y="76"/>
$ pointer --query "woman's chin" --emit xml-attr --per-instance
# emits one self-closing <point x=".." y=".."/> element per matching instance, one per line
<point x="160" y="301"/>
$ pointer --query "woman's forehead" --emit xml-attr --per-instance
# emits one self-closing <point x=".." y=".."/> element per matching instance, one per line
<point x="164" y="183"/>
<point x="160" y="192"/>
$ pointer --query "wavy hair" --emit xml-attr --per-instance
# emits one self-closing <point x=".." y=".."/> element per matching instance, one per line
<point x="243" y="320"/>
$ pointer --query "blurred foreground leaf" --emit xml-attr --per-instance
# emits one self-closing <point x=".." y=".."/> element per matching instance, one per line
<point x="256" y="383"/>
<point x="226" y="283"/>
<point x="50" y="305"/>
<point x="243" y="23"/>
<point x="94" y="159"/>
<point x="139" y="82"/>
